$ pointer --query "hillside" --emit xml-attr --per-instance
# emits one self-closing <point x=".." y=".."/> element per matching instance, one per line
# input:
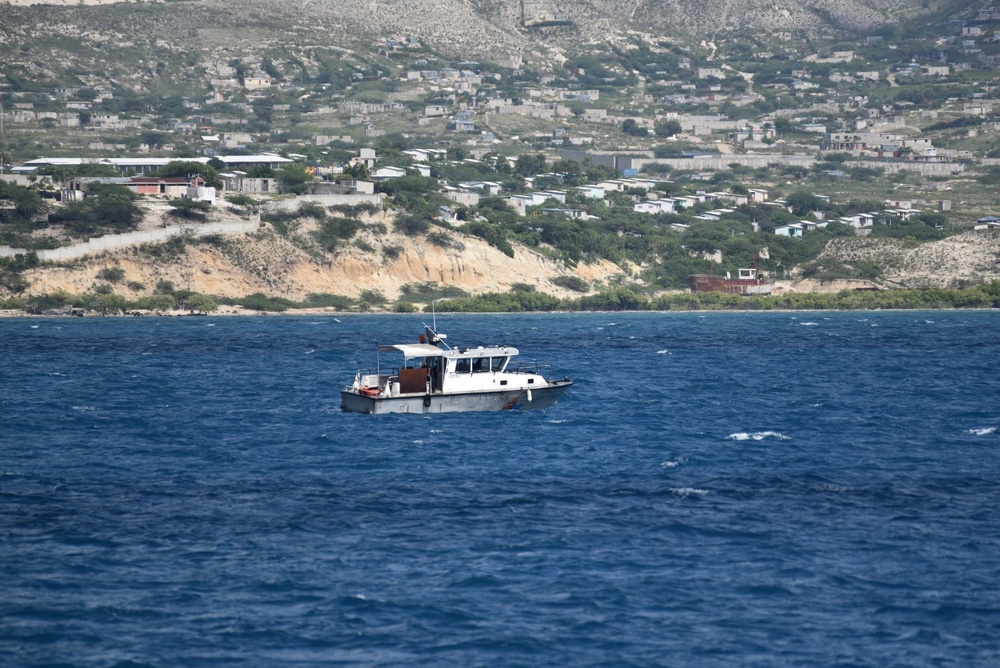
<point x="968" y="258"/>
<point x="462" y="28"/>
<point x="290" y="266"/>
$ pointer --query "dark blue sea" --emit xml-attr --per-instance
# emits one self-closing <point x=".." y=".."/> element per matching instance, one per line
<point x="764" y="489"/>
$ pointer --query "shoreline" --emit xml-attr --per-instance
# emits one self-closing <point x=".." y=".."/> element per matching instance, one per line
<point x="296" y="313"/>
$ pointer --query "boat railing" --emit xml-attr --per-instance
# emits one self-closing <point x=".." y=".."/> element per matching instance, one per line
<point x="532" y="367"/>
<point x="367" y="378"/>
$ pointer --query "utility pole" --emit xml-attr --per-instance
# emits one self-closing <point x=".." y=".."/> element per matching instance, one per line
<point x="523" y="23"/>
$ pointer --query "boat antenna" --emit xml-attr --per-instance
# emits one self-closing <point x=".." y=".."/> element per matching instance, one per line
<point x="432" y="333"/>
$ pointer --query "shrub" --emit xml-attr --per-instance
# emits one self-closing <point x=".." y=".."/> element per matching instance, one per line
<point x="411" y="225"/>
<point x="161" y="302"/>
<point x="111" y="274"/>
<point x="261" y="302"/>
<point x="391" y="252"/>
<point x="311" y="210"/>
<point x="574" y="283"/>
<point x="493" y="235"/>
<point x="373" y="297"/>
<point x="429" y="290"/>
<point x="200" y="303"/>
<point x="444" y="241"/>
<point x="327" y="300"/>
<point x="333" y="230"/>
<point x="404" y="307"/>
<point x="189" y="209"/>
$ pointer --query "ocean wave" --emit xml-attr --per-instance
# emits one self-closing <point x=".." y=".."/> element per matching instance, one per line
<point x="758" y="436"/>
<point x="982" y="431"/>
<point x="685" y="492"/>
<point x="809" y="324"/>
<point x="663" y="352"/>
<point x="673" y="463"/>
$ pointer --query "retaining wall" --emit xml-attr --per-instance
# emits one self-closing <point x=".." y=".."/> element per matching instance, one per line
<point x="349" y="199"/>
<point x="114" y="241"/>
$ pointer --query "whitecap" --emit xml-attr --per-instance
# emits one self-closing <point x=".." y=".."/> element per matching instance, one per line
<point x="211" y="324"/>
<point x="809" y="324"/>
<point x="360" y="597"/>
<point x="982" y="431"/>
<point x="671" y="464"/>
<point x="663" y="352"/>
<point x="56" y="373"/>
<point x="418" y="442"/>
<point x="612" y="324"/>
<point x="336" y="320"/>
<point x="556" y="421"/>
<point x="435" y="431"/>
<point x="83" y="408"/>
<point x="929" y="322"/>
<point x="34" y="326"/>
<point x="685" y="492"/>
<point x="757" y="436"/>
<point x="310" y="352"/>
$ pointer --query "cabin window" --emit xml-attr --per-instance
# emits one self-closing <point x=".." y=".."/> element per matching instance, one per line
<point x="462" y="365"/>
<point x="498" y="362"/>
<point x="480" y="364"/>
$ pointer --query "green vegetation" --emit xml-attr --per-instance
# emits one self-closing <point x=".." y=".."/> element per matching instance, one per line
<point x="111" y="274"/>
<point x="108" y="209"/>
<point x="450" y="299"/>
<point x="187" y="168"/>
<point x="189" y="209"/>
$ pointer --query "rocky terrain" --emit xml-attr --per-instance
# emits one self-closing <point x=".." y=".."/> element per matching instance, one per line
<point x="286" y="266"/>
<point x="476" y="27"/>
<point x="970" y="258"/>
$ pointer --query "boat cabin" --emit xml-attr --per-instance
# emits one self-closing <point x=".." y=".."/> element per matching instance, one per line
<point x="427" y="368"/>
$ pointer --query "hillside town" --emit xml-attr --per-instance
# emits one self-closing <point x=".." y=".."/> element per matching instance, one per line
<point x="686" y="144"/>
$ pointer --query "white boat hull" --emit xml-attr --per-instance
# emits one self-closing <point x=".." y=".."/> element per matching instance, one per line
<point x="352" y="401"/>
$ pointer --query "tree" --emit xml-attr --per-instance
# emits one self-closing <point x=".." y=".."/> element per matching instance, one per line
<point x="357" y="171"/>
<point x="669" y="128"/>
<point x="199" y="303"/>
<point x="108" y="208"/>
<point x="631" y="127"/>
<point x="529" y="164"/>
<point x="187" y="168"/>
<point x="27" y="203"/>
<point x="190" y="209"/>
<point x="294" y="179"/>
<point x="802" y="202"/>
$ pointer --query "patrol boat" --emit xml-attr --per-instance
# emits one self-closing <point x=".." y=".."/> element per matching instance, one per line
<point x="435" y="378"/>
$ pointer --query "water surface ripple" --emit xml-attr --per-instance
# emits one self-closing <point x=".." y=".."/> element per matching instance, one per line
<point x="717" y="489"/>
